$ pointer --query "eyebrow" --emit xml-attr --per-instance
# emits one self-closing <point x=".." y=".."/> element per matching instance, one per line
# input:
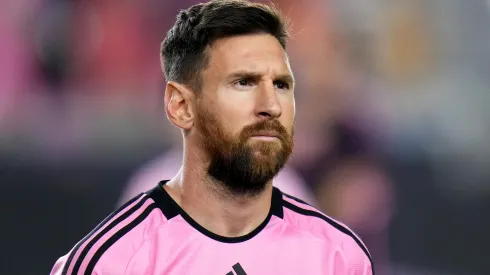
<point x="285" y="77"/>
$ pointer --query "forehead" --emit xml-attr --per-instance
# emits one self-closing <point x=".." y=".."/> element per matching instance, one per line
<point x="258" y="52"/>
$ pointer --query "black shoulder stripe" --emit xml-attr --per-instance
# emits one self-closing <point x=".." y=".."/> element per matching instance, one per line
<point x="113" y="224"/>
<point x="296" y="199"/>
<point x="104" y="222"/>
<point x="338" y="226"/>
<point x="116" y="237"/>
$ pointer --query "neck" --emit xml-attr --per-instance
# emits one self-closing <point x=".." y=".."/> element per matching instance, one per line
<point x="211" y="205"/>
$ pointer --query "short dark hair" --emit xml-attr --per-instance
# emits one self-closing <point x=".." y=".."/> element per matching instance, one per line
<point x="183" y="52"/>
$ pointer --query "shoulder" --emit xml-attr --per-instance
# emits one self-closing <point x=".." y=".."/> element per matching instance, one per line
<point x="305" y="217"/>
<point x="112" y="243"/>
<point x="289" y="181"/>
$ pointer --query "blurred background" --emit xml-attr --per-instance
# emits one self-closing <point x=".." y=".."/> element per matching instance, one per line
<point x="392" y="123"/>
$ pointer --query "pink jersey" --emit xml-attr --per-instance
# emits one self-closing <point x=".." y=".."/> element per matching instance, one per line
<point x="152" y="235"/>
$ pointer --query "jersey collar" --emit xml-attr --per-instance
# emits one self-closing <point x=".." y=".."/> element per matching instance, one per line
<point x="171" y="209"/>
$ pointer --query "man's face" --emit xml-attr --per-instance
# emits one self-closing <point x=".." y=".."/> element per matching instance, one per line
<point x="245" y="112"/>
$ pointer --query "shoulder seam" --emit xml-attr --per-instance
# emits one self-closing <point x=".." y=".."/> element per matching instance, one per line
<point x="101" y="234"/>
<point x="333" y="223"/>
<point x="150" y="236"/>
<point x="118" y="235"/>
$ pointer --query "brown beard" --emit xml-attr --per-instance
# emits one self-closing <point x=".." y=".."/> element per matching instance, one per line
<point x="243" y="169"/>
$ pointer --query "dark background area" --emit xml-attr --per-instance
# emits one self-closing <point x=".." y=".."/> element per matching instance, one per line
<point x="391" y="128"/>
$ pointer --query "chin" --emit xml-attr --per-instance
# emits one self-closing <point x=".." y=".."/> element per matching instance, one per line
<point x="259" y="155"/>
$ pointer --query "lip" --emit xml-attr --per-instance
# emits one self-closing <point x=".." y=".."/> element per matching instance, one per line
<point x="265" y="138"/>
<point x="266" y="134"/>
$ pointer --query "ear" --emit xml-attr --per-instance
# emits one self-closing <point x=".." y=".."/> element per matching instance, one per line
<point x="178" y="105"/>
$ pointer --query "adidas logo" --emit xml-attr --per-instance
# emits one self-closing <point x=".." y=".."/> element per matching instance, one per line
<point x="238" y="270"/>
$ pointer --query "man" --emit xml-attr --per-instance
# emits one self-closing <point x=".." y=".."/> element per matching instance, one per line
<point x="230" y="91"/>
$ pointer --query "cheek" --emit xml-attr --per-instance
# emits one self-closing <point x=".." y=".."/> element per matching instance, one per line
<point x="234" y="113"/>
<point x="288" y="113"/>
<point x="229" y="120"/>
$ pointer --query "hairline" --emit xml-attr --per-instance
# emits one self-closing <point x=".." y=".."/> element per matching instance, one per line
<point x="197" y="83"/>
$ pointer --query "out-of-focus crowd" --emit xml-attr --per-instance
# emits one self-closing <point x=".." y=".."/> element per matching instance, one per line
<point x="392" y="120"/>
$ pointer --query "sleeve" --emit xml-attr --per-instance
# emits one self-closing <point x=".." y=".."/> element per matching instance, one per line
<point x="96" y="262"/>
<point x="58" y="266"/>
<point x="106" y="257"/>
<point x="361" y="267"/>
<point x="359" y="261"/>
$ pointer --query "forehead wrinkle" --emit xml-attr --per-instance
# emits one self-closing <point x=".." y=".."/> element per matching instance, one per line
<point x="262" y="65"/>
<point x="227" y="58"/>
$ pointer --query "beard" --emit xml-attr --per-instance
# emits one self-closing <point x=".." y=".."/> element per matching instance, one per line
<point x="242" y="166"/>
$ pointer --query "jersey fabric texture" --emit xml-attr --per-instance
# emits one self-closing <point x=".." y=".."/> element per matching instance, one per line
<point x="152" y="235"/>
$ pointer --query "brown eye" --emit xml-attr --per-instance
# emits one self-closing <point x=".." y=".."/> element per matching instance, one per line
<point x="243" y="82"/>
<point x="281" y="85"/>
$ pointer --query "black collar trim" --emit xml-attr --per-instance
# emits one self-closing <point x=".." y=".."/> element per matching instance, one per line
<point x="171" y="209"/>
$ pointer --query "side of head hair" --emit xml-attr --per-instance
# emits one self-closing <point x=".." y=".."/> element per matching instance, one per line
<point x="183" y="52"/>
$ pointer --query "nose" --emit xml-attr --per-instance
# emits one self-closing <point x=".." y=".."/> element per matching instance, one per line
<point x="267" y="102"/>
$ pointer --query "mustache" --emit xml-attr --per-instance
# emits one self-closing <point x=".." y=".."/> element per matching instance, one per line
<point x="266" y="125"/>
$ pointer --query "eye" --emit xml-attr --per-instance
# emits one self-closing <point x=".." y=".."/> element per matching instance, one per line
<point x="281" y="85"/>
<point x="244" y="82"/>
